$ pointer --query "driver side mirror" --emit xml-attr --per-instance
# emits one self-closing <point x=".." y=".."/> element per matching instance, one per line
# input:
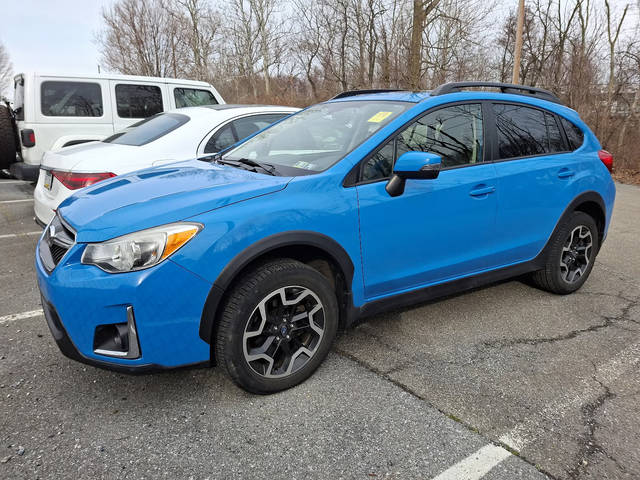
<point x="414" y="165"/>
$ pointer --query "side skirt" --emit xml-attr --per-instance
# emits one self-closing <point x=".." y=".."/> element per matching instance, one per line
<point x="443" y="289"/>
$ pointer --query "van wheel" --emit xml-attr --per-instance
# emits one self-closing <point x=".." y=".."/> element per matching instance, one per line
<point x="571" y="256"/>
<point x="277" y="326"/>
<point x="7" y="139"/>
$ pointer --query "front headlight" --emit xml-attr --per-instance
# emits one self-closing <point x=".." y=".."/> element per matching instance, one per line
<point x="139" y="250"/>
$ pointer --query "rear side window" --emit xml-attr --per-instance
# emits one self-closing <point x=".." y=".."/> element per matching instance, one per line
<point x="249" y="125"/>
<point x="522" y="131"/>
<point x="138" y="101"/>
<point x="148" y="130"/>
<point x="575" y="136"/>
<point x="71" y="99"/>
<point x="191" y="97"/>
<point x="220" y="140"/>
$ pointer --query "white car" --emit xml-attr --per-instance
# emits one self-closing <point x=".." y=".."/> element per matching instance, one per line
<point x="164" y="138"/>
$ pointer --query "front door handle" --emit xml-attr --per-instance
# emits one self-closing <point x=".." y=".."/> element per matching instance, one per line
<point x="481" y="190"/>
<point x="565" y="173"/>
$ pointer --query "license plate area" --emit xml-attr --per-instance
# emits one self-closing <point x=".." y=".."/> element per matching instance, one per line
<point x="48" y="179"/>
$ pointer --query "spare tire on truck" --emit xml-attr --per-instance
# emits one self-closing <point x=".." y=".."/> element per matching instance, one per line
<point x="8" y="145"/>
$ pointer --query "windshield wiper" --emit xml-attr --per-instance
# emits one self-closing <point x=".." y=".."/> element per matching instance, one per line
<point x="246" y="162"/>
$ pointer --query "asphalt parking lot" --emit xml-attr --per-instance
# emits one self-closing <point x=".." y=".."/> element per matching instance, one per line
<point x="505" y="382"/>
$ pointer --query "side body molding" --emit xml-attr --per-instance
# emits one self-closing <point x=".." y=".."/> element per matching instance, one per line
<point x="298" y="238"/>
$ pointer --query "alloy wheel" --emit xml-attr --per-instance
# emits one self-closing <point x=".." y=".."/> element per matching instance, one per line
<point x="576" y="251"/>
<point x="284" y="331"/>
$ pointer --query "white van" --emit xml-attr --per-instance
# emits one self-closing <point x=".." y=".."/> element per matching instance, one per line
<point x="55" y="111"/>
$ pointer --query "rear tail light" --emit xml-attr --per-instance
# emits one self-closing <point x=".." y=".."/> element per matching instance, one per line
<point x="74" y="181"/>
<point x="28" y="137"/>
<point x="607" y="159"/>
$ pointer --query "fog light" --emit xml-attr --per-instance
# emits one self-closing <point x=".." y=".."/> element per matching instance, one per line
<point x="118" y="339"/>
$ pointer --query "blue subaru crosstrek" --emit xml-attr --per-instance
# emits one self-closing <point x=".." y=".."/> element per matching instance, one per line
<point x="374" y="200"/>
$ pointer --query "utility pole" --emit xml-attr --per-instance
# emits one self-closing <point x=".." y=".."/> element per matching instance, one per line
<point x="517" y="54"/>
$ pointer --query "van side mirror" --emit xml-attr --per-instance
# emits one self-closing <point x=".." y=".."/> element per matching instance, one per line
<point x="413" y="165"/>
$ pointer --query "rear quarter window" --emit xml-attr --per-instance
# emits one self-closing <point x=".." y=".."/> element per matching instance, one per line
<point x="70" y="99"/>
<point x="575" y="136"/>
<point x="192" y="97"/>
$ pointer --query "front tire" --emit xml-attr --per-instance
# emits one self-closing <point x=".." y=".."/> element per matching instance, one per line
<point x="277" y="326"/>
<point x="571" y="256"/>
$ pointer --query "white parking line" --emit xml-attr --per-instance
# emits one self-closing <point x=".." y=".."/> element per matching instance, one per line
<point x="20" y="316"/>
<point x="476" y="465"/>
<point x="17" y="235"/>
<point x="12" y="182"/>
<point x="17" y="201"/>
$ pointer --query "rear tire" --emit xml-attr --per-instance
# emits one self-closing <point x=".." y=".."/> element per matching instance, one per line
<point x="277" y="326"/>
<point x="572" y="253"/>
<point x="7" y="139"/>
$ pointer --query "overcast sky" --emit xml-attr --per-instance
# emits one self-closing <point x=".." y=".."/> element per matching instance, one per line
<point x="52" y="35"/>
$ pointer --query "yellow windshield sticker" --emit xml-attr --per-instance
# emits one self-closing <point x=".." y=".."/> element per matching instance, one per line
<point x="378" y="117"/>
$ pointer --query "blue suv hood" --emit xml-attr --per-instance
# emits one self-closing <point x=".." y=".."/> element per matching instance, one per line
<point x="156" y="196"/>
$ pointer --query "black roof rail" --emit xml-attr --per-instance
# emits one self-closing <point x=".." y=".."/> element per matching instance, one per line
<point x="452" y="87"/>
<point x="351" y="93"/>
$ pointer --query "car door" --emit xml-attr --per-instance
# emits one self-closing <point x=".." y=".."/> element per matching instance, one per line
<point x="437" y="229"/>
<point x="535" y="176"/>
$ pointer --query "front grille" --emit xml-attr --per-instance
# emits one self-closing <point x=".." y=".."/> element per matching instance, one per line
<point x="56" y="242"/>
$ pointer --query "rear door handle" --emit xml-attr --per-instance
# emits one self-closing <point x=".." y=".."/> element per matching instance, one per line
<point x="481" y="190"/>
<point x="565" y="173"/>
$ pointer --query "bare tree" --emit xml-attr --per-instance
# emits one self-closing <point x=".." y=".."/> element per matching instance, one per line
<point x="6" y="70"/>
<point x="144" y="37"/>
<point x="422" y="10"/>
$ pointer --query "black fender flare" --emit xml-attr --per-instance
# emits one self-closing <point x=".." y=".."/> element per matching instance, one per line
<point x="584" y="197"/>
<point x="292" y="238"/>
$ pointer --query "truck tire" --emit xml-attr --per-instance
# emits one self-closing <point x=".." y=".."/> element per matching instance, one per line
<point x="7" y="138"/>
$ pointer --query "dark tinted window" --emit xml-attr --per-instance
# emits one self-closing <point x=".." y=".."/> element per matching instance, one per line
<point x="380" y="163"/>
<point x="574" y="134"/>
<point x="149" y="130"/>
<point x="220" y="140"/>
<point x="454" y="133"/>
<point x="522" y="131"/>
<point x="191" y="97"/>
<point x="71" y="99"/>
<point x="138" y="101"/>
<point x="249" y="125"/>
<point x="556" y="144"/>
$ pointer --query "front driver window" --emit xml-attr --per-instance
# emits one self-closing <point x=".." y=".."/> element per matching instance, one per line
<point x="380" y="164"/>
<point x="454" y="133"/>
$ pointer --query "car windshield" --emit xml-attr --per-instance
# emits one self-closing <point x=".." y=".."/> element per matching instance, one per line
<point x="318" y="137"/>
<point x="148" y="130"/>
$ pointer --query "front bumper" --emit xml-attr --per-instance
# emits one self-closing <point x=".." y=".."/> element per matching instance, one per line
<point x="168" y="302"/>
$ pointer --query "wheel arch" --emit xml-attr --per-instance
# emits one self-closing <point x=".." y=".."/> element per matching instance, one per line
<point x="589" y="202"/>
<point x="315" y="249"/>
<point x="593" y="205"/>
